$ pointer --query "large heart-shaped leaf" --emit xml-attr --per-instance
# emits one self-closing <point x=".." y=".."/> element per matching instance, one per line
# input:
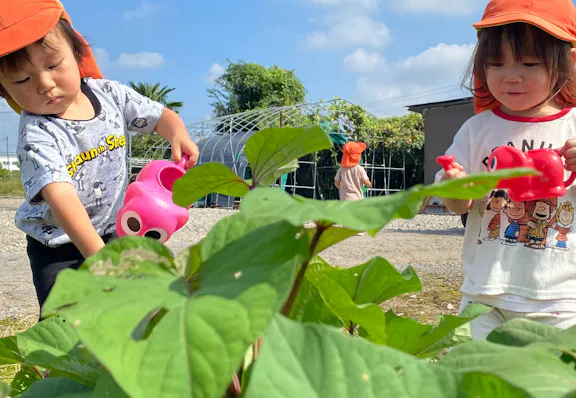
<point x="205" y="179"/>
<point x="422" y="340"/>
<point x="23" y="380"/>
<point x="307" y="360"/>
<point x="4" y="390"/>
<point x="535" y="370"/>
<point x="201" y="338"/>
<point x="483" y="385"/>
<point x="269" y="151"/>
<point x="53" y="344"/>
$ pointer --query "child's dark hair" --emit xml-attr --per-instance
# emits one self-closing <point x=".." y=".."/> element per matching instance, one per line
<point x="525" y="40"/>
<point x="12" y="61"/>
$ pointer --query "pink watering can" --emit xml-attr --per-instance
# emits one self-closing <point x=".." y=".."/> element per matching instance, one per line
<point x="148" y="208"/>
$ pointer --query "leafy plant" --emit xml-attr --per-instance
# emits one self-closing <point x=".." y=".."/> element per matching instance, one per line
<point x="254" y="310"/>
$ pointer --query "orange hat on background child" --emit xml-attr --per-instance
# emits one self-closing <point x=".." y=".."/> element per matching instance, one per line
<point x="558" y="20"/>
<point x="23" y="22"/>
<point x="351" y="152"/>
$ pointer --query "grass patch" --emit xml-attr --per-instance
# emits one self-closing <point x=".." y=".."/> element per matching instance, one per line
<point x="10" y="327"/>
<point x="10" y="184"/>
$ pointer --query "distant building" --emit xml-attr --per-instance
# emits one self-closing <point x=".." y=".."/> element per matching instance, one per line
<point x="9" y="162"/>
<point x="442" y="120"/>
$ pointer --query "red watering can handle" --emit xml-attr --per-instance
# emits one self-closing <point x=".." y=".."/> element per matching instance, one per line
<point x="446" y="161"/>
<point x="572" y="177"/>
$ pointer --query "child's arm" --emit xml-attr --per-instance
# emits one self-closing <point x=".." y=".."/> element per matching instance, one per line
<point x="171" y="127"/>
<point x="71" y="215"/>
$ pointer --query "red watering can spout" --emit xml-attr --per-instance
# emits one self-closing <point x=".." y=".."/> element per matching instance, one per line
<point x="446" y="161"/>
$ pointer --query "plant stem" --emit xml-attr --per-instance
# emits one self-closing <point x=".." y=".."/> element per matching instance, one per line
<point x="351" y="329"/>
<point x="300" y="277"/>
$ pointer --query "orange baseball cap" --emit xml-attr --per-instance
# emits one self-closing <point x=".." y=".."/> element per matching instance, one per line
<point x="557" y="17"/>
<point x="23" y="22"/>
<point x="351" y="152"/>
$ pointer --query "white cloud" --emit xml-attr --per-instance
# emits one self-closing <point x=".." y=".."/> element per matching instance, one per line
<point x="452" y="7"/>
<point x="363" y="61"/>
<point x="141" y="60"/>
<point x="386" y="88"/>
<point x="143" y="10"/>
<point x="350" y="31"/>
<point x="214" y="72"/>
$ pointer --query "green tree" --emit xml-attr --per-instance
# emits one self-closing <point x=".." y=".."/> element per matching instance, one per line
<point x="246" y="86"/>
<point x="158" y="94"/>
<point x="141" y="143"/>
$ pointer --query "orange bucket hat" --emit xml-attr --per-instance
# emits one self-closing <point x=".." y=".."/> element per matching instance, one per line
<point x="351" y="152"/>
<point x="23" y="22"/>
<point x="557" y="17"/>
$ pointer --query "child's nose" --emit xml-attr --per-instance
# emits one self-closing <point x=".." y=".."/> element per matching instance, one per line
<point x="45" y="83"/>
<point x="512" y="74"/>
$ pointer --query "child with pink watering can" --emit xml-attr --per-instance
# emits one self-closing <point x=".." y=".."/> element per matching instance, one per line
<point x="72" y="136"/>
<point x="523" y="74"/>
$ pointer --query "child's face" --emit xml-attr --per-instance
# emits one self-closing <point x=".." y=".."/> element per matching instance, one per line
<point x="49" y="83"/>
<point x="518" y="86"/>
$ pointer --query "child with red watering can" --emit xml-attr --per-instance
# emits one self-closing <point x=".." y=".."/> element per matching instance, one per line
<point x="72" y="138"/>
<point x="523" y="76"/>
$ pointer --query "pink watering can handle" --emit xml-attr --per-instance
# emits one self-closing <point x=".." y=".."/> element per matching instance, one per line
<point x="183" y="160"/>
<point x="572" y="177"/>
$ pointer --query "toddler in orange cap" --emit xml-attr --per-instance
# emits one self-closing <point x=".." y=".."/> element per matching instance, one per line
<point x="523" y="75"/>
<point x="72" y="136"/>
<point x="351" y="177"/>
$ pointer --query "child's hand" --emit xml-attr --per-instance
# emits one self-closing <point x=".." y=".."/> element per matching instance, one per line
<point x="569" y="153"/>
<point x="182" y="144"/>
<point x="457" y="171"/>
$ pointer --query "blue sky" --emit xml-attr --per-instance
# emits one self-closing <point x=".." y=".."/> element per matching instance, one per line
<point x="381" y="54"/>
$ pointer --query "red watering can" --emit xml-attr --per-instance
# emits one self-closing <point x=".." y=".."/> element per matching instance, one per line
<point x="550" y="182"/>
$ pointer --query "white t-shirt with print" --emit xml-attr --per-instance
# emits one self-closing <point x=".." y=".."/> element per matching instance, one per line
<point x="518" y="256"/>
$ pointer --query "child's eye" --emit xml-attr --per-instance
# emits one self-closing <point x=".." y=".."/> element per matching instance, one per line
<point x="22" y="81"/>
<point x="495" y="64"/>
<point x="531" y="64"/>
<point x="56" y="65"/>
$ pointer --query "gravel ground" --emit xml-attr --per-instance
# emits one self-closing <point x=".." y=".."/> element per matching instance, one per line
<point x="430" y="243"/>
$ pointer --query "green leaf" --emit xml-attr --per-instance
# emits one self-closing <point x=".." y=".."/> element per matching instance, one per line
<point x="239" y="254"/>
<point x="307" y="360"/>
<point x="131" y="256"/>
<point x="538" y="372"/>
<point x="53" y="344"/>
<point x="9" y="352"/>
<point x="271" y="152"/>
<point x="380" y="281"/>
<point x="202" y="336"/>
<point x="520" y="332"/>
<point x="421" y="340"/>
<point x="23" y="379"/>
<point x="205" y="179"/>
<point x="482" y="385"/>
<point x="107" y="387"/>
<point x="4" y="390"/>
<point x="188" y="264"/>
<point x="57" y="387"/>
<point x="370" y="214"/>
<point x="330" y="236"/>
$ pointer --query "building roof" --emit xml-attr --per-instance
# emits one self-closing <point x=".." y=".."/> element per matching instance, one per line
<point x="441" y="104"/>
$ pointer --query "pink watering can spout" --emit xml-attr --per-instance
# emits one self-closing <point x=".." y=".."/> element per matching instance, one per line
<point x="148" y="208"/>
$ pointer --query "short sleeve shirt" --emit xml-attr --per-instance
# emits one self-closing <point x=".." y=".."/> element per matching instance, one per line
<point x="89" y="154"/>
<point x="351" y="182"/>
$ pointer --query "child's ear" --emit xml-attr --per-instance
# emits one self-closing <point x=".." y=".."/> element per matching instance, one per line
<point x="573" y="53"/>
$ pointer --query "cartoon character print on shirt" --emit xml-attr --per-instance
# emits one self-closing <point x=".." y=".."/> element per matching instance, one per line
<point x="31" y="151"/>
<point x="107" y="88"/>
<point x="563" y="223"/>
<point x="98" y="189"/>
<point x="48" y="231"/>
<point x="541" y="212"/>
<point x="516" y="230"/>
<point x="483" y="203"/>
<point x="76" y="127"/>
<point x="498" y="201"/>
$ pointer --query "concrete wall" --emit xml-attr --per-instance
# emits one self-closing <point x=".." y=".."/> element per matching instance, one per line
<point x="440" y="126"/>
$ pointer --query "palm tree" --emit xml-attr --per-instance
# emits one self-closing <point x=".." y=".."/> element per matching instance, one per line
<point x="155" y="93"/>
